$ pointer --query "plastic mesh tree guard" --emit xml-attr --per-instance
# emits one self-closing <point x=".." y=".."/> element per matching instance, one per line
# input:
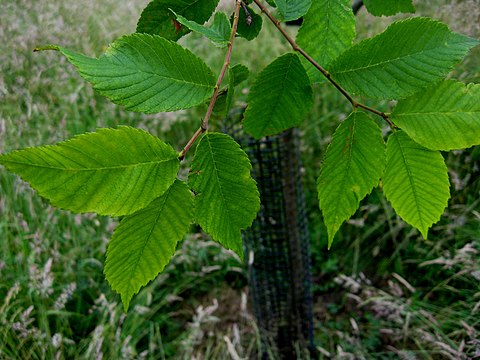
<point x="277" y="246"/>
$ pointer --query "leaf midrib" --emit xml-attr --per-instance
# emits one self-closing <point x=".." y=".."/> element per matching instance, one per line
<point x="410" y="180"/>
<point x="388" y="61"/>
<point x="220" y="187"/>
<point x="117" y="167"/>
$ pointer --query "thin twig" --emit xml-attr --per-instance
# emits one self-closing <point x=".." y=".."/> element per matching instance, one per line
<point x="325" y="73"/>
<point x="228" y="56"/>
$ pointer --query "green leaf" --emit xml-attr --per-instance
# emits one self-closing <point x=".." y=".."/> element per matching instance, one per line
<point x="239" y="73"/>
<point x="111" y="172"/>
<point x="352" y="167"/>
<point x="279" y="99"/>
<point x="389" y="7"/>
<point x="445" y="116"/>
<point x="328" y="29"/>
<point x="147" y="73"/>
<point x="157" y="19"/>
<point x="415" y="182"/>
<point x="218" y="32"/>
<point x="246" y="30"/>
<point x="227" y="198"/>
<point x="292" y="9"/>
<point x="410" y="55"/>
<point x="144" y="242"/>
<point x="231" y="89"/>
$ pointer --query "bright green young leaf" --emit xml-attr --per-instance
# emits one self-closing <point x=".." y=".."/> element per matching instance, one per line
<point x="227" y="199"/>
<point x="279" y="99"/>
<point x="292" y="9"/>
<point x="218" y="32"/>
<point x="352" y="167"/>
<point x="445" y="116"/>
<point x="144" y="242"/>
<point x="146" y="73"/>
<point x="389" y="7"/>
<point x="248" y="30"/>
<point x="157" y="19"/>
<point x="410" y="55"/>
<point x="415" y="182"/>
<point x="328" y="29"/>
<point x="111" y="172"/>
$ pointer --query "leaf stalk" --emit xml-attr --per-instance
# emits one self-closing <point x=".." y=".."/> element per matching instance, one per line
<point x="226" y="63"/>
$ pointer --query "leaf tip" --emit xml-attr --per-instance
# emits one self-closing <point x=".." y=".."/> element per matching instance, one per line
<point x="126" y="302"/>
<point x="46" y="47"/>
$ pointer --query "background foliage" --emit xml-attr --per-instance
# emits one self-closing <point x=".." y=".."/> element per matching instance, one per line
<point x="381" y="292"/>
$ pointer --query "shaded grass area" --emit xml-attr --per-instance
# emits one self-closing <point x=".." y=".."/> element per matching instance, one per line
<point x="381" y="292"/>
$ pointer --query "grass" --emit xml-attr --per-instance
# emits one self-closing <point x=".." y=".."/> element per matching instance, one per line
<point x="381" y="292"/>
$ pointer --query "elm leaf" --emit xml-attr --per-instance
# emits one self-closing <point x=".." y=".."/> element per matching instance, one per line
<point x="144" y="242"/>
<point x="227" y="199"/>
<point x="111" y="171"/>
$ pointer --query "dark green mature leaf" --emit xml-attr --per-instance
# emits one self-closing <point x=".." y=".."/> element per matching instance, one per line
<point x="415" y="182"/>
<point x="445" y="116"/>
<point x="146" y="73"/>
<point x="246" y="30"/>
<point x="227" y="198"/>
<point x="353" y="165"/>
<point x="218" y="32"/>
<point x="279" y="99"/>
<point x="389" y="7"/>
<point x="328" y="29"/>
<point x="236" y="75"/>
<point x="292" y="9"/>
<point x="111" y="172"/>
<point x="239" y="73"/>
<point x="157" y="19"/>
<point x="411" y="54"/>
<point x="144" y="242"/>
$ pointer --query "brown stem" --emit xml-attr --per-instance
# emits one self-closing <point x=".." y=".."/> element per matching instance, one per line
<point x="325" y="73"/>
<point x="228" y="55"/>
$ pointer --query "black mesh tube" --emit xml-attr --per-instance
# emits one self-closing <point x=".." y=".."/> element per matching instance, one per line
<point x="277" y="247"/>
